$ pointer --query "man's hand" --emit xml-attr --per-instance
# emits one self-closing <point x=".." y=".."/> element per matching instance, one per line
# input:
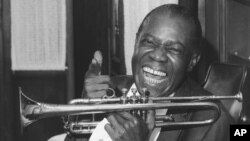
<point x="95" y="84"/>
<point x="125" y="127"/>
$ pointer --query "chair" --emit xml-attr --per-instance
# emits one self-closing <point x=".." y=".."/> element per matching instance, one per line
<point x="228" y="79"/>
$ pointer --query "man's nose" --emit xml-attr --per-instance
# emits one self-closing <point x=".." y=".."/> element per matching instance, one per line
<point x="159" y="54"/>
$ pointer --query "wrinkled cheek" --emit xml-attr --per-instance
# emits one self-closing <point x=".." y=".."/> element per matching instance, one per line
<point x="135" y="68"/>
<point x="178" y="76"/>
<point x="134" y="64"/>
<point x="137" y="57"/>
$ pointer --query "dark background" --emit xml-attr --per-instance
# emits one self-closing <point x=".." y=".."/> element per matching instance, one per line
<point x="91" y="26"/>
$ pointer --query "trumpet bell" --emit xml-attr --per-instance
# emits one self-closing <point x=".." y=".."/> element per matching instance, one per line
<point x="26" y="108"/>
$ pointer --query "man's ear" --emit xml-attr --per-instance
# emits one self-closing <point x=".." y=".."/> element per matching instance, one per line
<point x="195" y="58"/>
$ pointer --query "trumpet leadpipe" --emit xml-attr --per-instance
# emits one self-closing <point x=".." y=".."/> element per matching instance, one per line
<point x="237" y="96"/>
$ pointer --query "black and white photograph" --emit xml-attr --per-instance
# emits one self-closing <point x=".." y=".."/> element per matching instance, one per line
<point x="124" y="70"/>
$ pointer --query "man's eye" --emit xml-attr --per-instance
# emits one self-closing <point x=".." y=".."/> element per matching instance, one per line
<point x="147" y="42"/>
<point x="175" y="50"/>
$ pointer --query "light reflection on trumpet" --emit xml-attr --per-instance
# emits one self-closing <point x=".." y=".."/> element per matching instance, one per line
<point x="32" y="111"/>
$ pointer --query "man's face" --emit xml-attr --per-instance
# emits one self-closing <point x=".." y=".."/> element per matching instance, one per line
<point x="163" y="55"/>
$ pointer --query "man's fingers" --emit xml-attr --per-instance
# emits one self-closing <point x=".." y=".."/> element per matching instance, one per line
<point x="110" y="131"/>
<point x="97" y="94"/>
<point x="96" y="87"/>
<point x="115" y="123"/>
<point x="150" y="119"/>
<point x="119" y="118"/>
<point x="98" y="79"/>
<point x="128" y="116"/>
<point x="130" y="123"/>
<point x="95" y="65"/>
<point x="98" y="57"/>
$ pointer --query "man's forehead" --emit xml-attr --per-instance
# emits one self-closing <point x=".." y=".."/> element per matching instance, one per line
<point x="160" y="21"/>
<point x="161" y="17"/>
<point x="165" y="23"/>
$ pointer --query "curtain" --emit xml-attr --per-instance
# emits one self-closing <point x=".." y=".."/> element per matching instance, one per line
<point x="134" y="12"/>
<point x="38" y="34"/>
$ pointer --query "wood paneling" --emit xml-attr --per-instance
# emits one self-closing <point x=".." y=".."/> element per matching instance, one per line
<point x="238" y="29"/>
<point x="91" y="32"/>
<point x="192" y="5"/>
<point x="9" y="110"/>
<point x="70" y="51"/>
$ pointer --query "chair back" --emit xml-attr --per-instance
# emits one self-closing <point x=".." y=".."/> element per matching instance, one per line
<point x="228" y="79"/>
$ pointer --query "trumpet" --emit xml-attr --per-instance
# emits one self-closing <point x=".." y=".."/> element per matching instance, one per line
<point x="32" y="111"/>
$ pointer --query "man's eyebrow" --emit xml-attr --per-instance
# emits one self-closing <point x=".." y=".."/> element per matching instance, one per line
<point x="166" y="43"/>
<point x="151" y="36"/>
<point x="147" y="35"/>
<point x="169" y="42"/>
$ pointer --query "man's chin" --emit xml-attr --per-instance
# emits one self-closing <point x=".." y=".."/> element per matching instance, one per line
<point x="154" y="91"/>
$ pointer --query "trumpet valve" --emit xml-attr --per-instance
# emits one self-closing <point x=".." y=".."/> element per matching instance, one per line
<point x="134" y="91"/>
<point x="124" y="93"/>
<point x="144" y="99"/>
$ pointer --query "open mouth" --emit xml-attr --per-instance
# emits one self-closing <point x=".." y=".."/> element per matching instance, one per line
<point x="153" y="77"/>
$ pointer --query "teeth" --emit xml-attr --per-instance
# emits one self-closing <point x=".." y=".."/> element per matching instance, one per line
<point x="153" y="81"/>
<point x="154" y="72"/>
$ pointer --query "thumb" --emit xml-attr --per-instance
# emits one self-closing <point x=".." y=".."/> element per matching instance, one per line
<point x="95" y="65"/>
